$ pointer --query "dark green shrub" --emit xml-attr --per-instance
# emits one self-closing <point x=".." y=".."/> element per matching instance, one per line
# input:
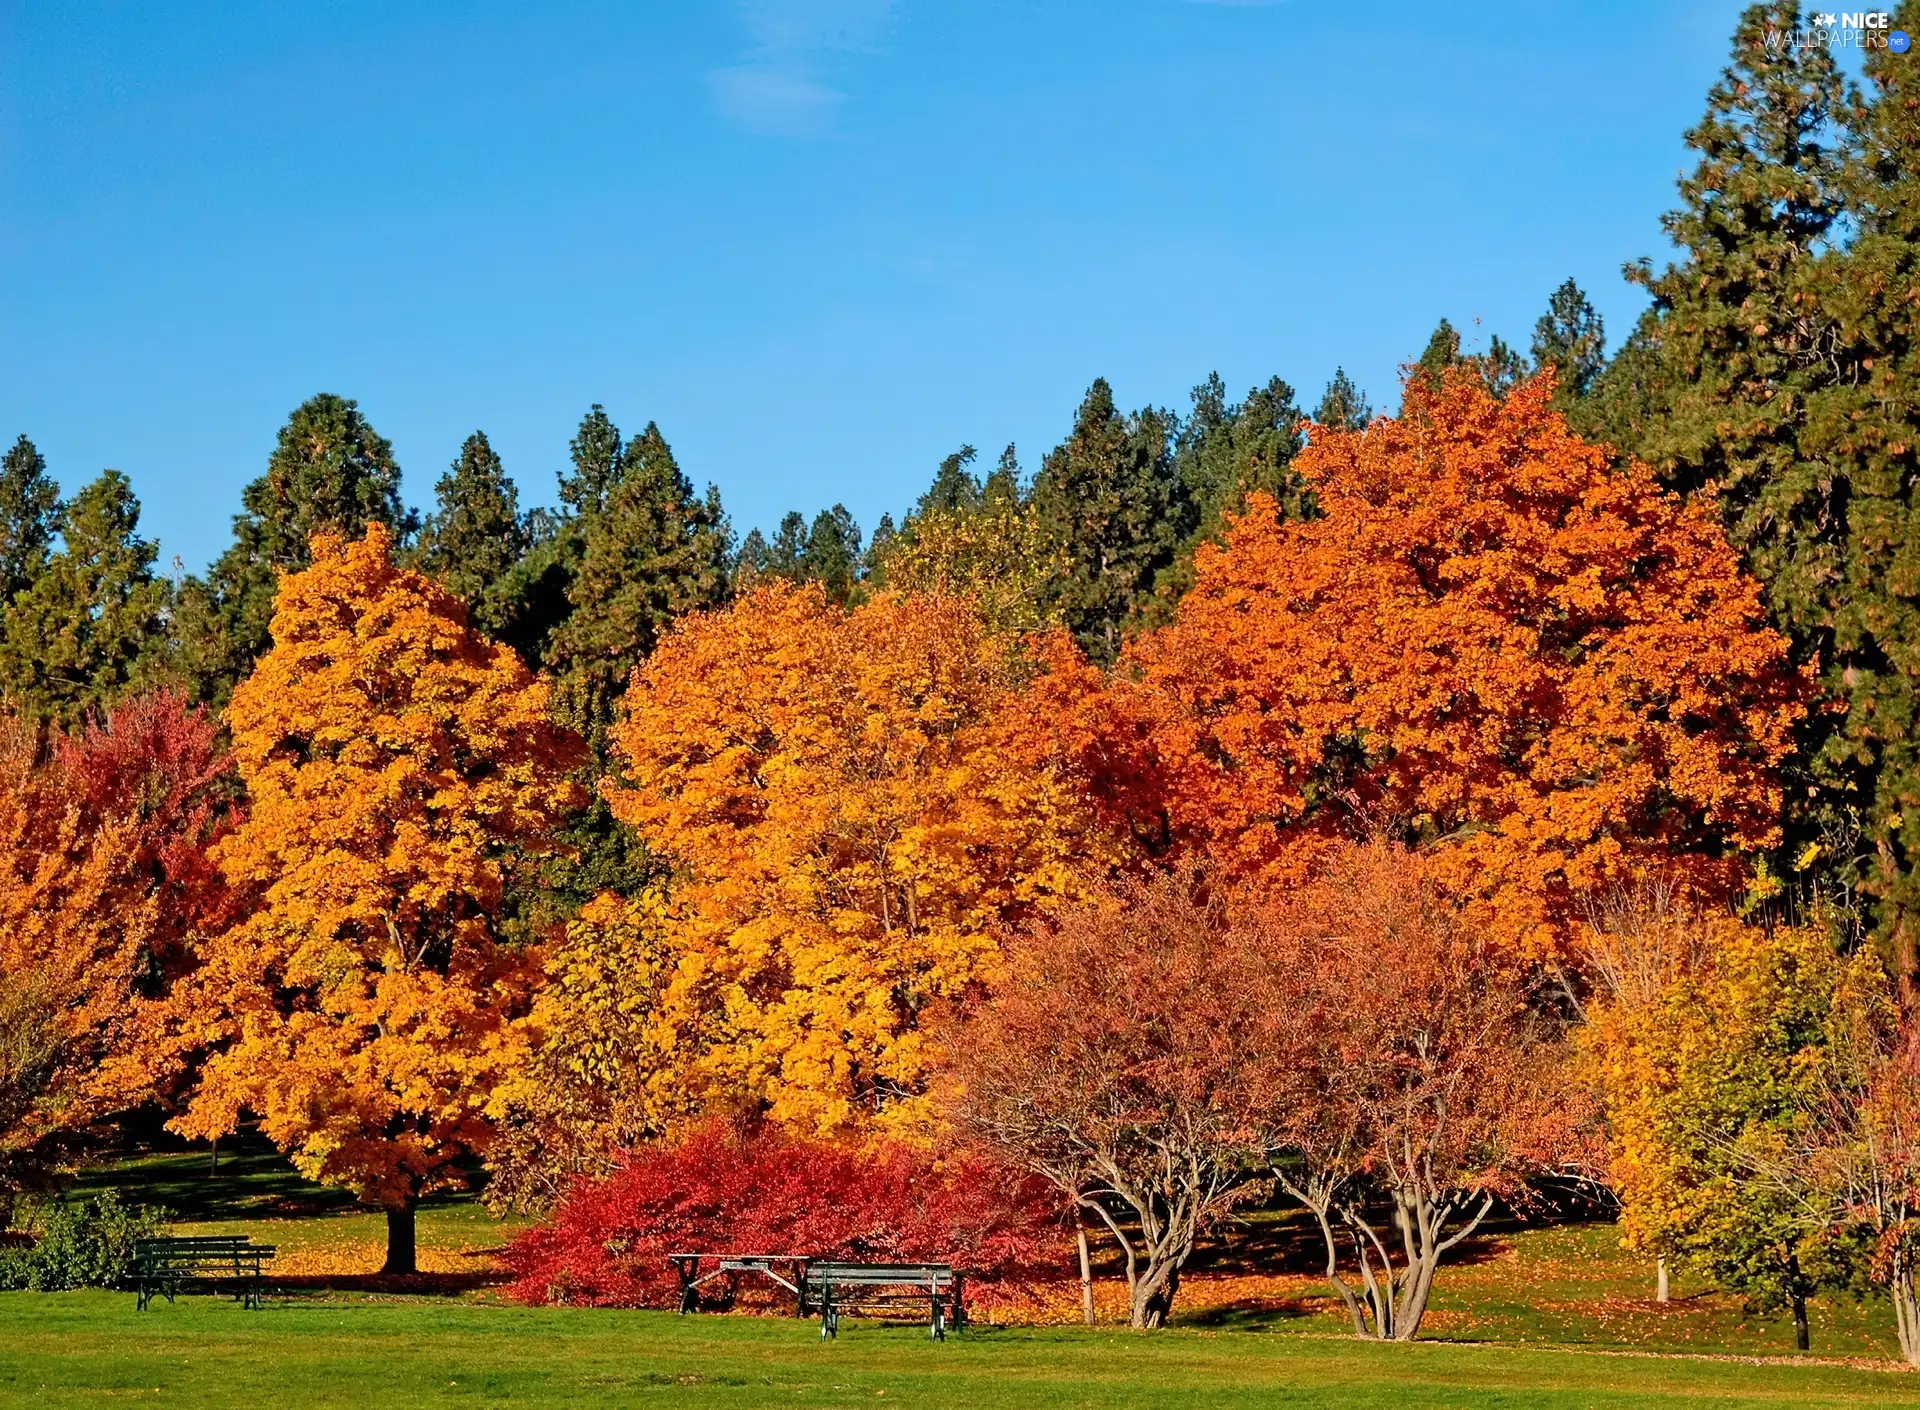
<point x="84" y="1243"/>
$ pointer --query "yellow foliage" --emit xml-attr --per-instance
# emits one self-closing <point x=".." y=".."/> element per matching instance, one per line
<point x="860" y="802"/>
<point x="394" y="760"/>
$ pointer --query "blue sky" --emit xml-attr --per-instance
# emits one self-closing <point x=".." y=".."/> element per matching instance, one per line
<point x="821" y="242"/>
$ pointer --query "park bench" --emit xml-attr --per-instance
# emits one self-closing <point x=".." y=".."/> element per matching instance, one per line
<point x="881" y="1290"/>
<point x="166" y="1266"/>
<point x="729" y="1266"/>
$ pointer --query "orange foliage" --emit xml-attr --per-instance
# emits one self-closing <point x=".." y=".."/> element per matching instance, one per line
<point x="103" y="883"/>
<point x="1492" y="637"/>
<point x="861" y="801"/>
<point x="393" y="759"/>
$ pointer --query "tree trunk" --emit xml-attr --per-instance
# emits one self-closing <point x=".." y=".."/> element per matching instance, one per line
<point x="1801" y="1340"/>
<point x="1086" y="1275"/>
<point x="1906" y="1311"/>
<point x="1153" y="1296"/>
<point x="213" y="1158"/>
<point x="1662" y="1289"/>
<point x="400" y="1245"/>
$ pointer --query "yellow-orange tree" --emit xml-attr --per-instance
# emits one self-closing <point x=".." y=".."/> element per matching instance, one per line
<point x="860" y="802"/>
<point x="395" y="761"/>
<point x="1491" y="636"/>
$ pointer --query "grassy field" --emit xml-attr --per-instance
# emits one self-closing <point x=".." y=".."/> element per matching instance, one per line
<point x="92" y="1348"/>
<point x="1543" y="1316"/>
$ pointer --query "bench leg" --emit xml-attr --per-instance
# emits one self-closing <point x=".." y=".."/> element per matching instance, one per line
<point x="938" y="1330"/>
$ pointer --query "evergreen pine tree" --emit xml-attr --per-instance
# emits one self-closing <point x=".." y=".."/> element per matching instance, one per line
<point x="1224" y="452"/>
<point x="755" y="559"/>
<point x="1343" y="406"/>
<point x="651" y="551"/>
<point x="1111" y="504"/>
<point x="954" y="486"/>
<point x="1630" y="396"/>
<point x="1738" y="342"/>
<point x="29" y="517"/>
<point x="1844" y="566"/>
<point x="596" y="450"/>
<point x="1442" y="351"/>
<point x="93" y="623"/>
<point x="476" y="534"/>
<point x="786" y="555"/>
<point x="329" y="470"/>
<point x="1003" y="482"/>
<point x="875" y="562"/>
<point x="1571" y="339"/>
<point x="832" y="555"/>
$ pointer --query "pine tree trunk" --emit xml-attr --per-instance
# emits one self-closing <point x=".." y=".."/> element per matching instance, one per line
<point x="401" y="1259"/>
<point x="1662" y="1289"/>
<point x="1086" y="1276"/>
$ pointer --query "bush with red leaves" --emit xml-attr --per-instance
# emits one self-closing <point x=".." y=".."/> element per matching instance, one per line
<point x="716" y="1190"/>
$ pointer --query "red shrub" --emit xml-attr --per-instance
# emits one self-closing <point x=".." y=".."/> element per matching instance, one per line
<point x="715" y="1190"/>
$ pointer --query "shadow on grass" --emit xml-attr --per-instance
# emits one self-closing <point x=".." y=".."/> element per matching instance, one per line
<point x="319" y="1286"/>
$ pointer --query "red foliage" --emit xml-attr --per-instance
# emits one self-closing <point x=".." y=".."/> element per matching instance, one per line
<point x="156" y="761"/>
<point x="715" y="1190"/>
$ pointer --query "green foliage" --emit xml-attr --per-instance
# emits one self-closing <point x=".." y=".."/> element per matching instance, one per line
<point x="1343" y="406"/>
<point x="93" y="623"/>
<point x="1626" y="400"/>
<point x="329" y="470"/>
<point x="476" y="535"/>
<point x="86" y="1243"/>
<point x="1441" y="352"/>
<point x="30" y="513"/>
<point x="650" y="550"/>
<point x="1111" y="503"/>
<point x="1831" y="516"/>
<point x="1570" y="338"/>
<point x="1224" y="452"/>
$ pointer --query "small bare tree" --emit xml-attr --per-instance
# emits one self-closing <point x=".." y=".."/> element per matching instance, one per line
<point x="1111" y="1061"/>
<point x="1411" y="1078"/>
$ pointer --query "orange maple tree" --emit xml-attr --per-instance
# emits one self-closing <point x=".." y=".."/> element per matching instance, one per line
<point x="395" y="761"/>
<point x="860" y="801"/>
<point x="1493" y="636"/>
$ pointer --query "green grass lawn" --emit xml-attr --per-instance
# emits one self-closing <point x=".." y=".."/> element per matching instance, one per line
<point x="93" y="1348"/>
<point x="1528" y="1316"/>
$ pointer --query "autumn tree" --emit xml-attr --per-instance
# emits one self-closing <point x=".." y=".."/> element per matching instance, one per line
<point x="857" y="802"/>
<point x="73" y="935"/>
<point x="1113" y="1061"/>
<point x="104" y="882"/>
<point x="598" y="1078"/>
<point x="1409" y="1076"/>
<point x="1714" y="1089"/>
<point x="1490" y="638"/>
<point x="982" y="542"/>
<point x="394" y="762"/>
